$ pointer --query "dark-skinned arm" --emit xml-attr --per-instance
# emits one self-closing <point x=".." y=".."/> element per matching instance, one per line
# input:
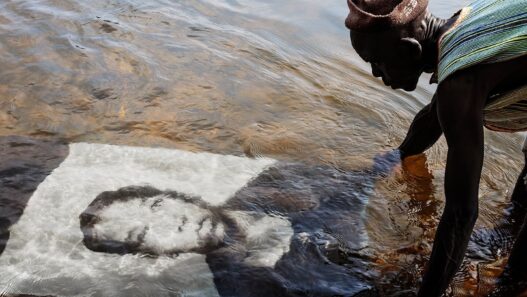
<point x="424" y="131"/>
<point x="459" y="106"/>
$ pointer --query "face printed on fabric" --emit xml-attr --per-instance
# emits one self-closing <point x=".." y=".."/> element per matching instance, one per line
<point x="145" y="220"/>
<point x="162" y="224"/>
<point x="61" y="245"/>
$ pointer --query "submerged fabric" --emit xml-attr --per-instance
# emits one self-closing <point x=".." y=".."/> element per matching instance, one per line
<point x="489" y="31"/>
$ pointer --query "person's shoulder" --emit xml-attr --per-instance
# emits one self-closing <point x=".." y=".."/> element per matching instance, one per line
<point x="460" y="79"/>
<point x="463" y="86"/>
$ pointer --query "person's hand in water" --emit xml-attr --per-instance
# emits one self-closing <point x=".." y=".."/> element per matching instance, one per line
<point x="384" y="163"/>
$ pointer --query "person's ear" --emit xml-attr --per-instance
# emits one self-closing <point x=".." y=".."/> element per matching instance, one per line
<point x="411" y="46"/>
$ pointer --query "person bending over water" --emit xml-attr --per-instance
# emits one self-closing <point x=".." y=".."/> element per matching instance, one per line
<point x="478" y="57"/>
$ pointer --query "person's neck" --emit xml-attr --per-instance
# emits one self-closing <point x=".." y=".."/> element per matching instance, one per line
<point x="433" y="29"/>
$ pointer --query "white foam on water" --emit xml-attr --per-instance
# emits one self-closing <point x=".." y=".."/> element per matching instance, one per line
<point x="45" y="254"/>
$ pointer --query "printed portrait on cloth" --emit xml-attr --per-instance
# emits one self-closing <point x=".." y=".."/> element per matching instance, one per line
<point x="132" y="221"/>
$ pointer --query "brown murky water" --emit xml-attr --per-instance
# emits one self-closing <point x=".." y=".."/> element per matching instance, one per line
<point x="245" y="77"/>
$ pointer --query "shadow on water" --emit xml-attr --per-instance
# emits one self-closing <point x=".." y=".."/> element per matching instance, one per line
<point x="327" y="255"/>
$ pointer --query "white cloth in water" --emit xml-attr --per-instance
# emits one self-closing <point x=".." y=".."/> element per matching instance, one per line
<point x="45" y="254"/>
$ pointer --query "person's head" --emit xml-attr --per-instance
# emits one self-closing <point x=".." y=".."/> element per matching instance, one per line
<point x="149" y="221"/>
<point x="388" y="35"/>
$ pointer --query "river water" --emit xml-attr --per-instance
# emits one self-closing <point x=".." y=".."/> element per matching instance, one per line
<point x="275" y="79"/>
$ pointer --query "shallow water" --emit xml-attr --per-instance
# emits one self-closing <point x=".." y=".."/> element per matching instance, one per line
<point x="242" y="77"/>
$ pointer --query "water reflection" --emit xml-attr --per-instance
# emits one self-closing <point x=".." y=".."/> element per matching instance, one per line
<point x="260" y="78"/>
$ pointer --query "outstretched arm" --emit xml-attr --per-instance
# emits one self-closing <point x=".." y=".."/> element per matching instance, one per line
<point x="424" y="131"/>
<point x="459" y="106"/>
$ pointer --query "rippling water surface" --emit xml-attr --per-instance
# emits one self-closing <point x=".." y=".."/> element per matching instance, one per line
<point x="259" y="78"/>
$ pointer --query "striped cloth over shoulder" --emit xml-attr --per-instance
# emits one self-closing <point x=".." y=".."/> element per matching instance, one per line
<point x="487" y="31"/>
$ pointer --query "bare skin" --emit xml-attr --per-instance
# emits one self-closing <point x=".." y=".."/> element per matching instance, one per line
<point x="399" y="55"/>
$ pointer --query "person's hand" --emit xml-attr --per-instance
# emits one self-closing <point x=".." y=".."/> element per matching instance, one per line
<point x="416" y="167"/>
<point x="384" y="163"/>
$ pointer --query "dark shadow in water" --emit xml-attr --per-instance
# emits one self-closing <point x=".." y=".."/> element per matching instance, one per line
<point x="490" y="245"/>
<point x="489" y="248"/>
<point x="326" y="208"/>
<point x="24" y="164"/>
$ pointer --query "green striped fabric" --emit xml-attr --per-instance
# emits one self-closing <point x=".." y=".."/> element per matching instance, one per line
<point x="489" y="31"/>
